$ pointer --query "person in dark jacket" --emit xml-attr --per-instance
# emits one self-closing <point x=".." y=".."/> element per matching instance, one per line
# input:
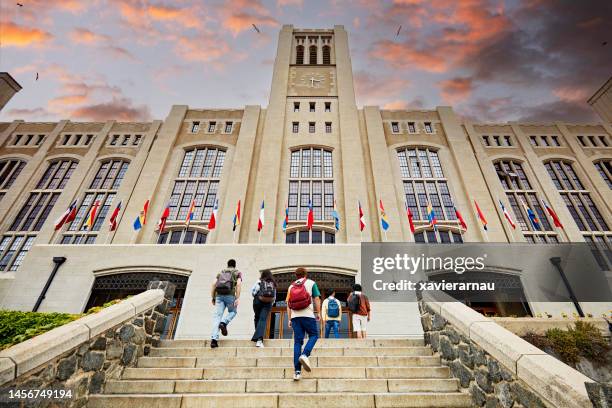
<point x="264" y="296"/>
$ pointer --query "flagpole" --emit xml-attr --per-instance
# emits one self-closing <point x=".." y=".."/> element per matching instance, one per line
<point x="385" y="235"/>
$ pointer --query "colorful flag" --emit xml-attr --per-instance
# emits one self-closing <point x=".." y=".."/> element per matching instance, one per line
<point x="460" y="218"/>
<point x="286" y="220"/>
<point x="236" y="220"/>
<point x="67" y="216"/>
<point x="410" y="217"/>
<point x="384" y="223"/>
<point x="161" y="224"/>
<point x="431" y="215"/>
<point x="212" y="222"/>
<point x="532" y="217"/>
<point x="481" y="216"/>
<point x="261" y="221"/>
<point x="141" y="220"/>
<point x="334" y="214"/>
<point x="507" y="215"/>
<point x="553" y="215"/>
<point x="112" y="223"/>
<point x="310" y="216"/>
<point x="91" y="218"/>
<point x="361" y="218"/>
<point x="190" y="213"/>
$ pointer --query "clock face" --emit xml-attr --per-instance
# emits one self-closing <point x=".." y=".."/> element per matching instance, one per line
<point x="319" y="81"/>
<point x="311" y="80"/>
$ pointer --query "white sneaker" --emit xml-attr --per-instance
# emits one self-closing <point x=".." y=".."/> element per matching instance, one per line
<point x="305" y="362"/>
<point x="296" y="376"/>
<point x="259" y="344"/>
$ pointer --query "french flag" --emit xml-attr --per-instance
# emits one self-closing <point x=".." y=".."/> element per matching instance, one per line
<point x="260" y="222"/>
<point x="507" y="215"/>
<point x="67" y="216"/>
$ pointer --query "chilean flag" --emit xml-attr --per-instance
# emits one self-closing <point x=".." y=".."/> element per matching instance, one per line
<point x="212" y="223"/>
<point x="507" y="215"/>
<point x="410" y="217"/>
<point x="361" y="218"/>
<point x="67" y="216"/>
<point x="112" y="223"/>
<point x="310" y="217"/>
<point x="553" y="215"/>
<point x="260" y="222"/>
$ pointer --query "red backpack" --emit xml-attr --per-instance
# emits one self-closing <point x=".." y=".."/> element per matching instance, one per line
<point x="299" y="298"/>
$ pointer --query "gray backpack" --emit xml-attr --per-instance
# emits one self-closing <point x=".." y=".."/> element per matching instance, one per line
<point x="225" y="282"/>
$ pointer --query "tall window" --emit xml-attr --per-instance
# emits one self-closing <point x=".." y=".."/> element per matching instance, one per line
<point x="15" y="244"/>
<point x="312" y="54"/>
<point x="102" y="190"/>
<point x="520" y="193"/>
<point x="299" y="54"/>
<point x="577" y="198"/>
<point x="326" y="54"/>
<point x="198" y="180"/>
<point x="424" y="183"/>
<point x="182" y="236"/>
<point x="604" y="167"/>
<point x="9" y="170"/>
<point x="311" y="178"/>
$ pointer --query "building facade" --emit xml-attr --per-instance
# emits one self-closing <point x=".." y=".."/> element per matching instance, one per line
<point x="310" y="145"/>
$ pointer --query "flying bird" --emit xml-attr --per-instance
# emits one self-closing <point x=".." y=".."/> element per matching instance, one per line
<point x="37" y="76"/>
<point x="603" y="44"/>
<point x="398" y="31"/>
<point x="256" y="29"/>
<point x="20" y="5"/>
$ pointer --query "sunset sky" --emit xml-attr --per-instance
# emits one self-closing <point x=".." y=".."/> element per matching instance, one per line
<point x="535" y="60"/>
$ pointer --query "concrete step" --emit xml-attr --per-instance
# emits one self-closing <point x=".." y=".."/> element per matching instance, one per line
<point x="334" y="361"/>
<point x="391" y="342"/>
<point x="279" y="386"/>
<point x="222" y="373"/>
<point x="288" y="400"/>
<point x="250" y="352"/>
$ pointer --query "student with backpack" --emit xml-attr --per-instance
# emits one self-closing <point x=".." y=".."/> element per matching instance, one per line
<point x="332" y="314"/>
<point x="359" y="305"/>
<point x="225" y="293"/>
<point x="264" y="295"/>
<point x="303" y="318"/>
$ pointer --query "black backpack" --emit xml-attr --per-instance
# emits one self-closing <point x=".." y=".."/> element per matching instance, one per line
<point x="354" y="303"/>
<point x="266" y="292"/>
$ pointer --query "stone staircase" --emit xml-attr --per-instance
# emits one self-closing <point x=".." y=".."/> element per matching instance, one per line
<point x="346" y="373"/>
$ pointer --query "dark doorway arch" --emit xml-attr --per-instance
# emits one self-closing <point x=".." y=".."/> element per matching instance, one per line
<point x="123" y="284"/>
<point x="508" y="299"/>
<point x="342" y="283"/>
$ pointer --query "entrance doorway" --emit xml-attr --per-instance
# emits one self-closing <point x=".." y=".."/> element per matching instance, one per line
<point x="122" y="285"/>
<point x="278" y="324"/>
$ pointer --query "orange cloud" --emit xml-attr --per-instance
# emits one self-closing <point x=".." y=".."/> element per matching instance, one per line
<point x="572" y="93"/>
<point x="405" y="56"/>
<point x="88" y="37"/>
<point x="455" y="89"/>
<point x="240" y="15"/>
<point x="184" y="16"/>
<point x="203" y="49"/>
<point x="395" y="105"/>
<point x="121" y="109"/>
<point x="239" y="22"/>
<point x="14" y="35"/>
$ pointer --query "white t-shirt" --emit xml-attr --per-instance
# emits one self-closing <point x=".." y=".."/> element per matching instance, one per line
<point x="309" y="311"/>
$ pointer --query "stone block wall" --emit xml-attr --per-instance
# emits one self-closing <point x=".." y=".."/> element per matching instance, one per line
<point x="84" y="369"/>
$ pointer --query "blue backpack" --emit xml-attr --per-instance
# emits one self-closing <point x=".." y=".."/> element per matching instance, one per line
<point x="333" y="308"/>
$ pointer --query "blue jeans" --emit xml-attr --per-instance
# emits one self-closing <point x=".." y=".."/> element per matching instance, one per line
<point x="332" y="325"/>
<point x="261" y="311"/>
<point x="222" y="302"/>
<point x="302" y="326"/>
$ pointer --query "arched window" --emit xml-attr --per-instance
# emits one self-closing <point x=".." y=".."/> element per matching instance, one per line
<point x="521" y="194"/>
<point x="102" y="190"/>
<point x="326" y="54"/>
<point x="604" y="167"/>
<point x="312" y="55"/>
<point x="438" y="236"/>
<point x="315" y="236"/>
<point x="424" y="183"/>
<point x="299" y="54"/>
<point x="20" y="237"/>
<point x="311" y="178"/>
<point x="9" y="170"/>
<point x="182" y="236"/>
<point x="198" y="180"/>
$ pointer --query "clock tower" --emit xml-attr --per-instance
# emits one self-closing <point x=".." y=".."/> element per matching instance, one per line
<point x="312" y="106"/>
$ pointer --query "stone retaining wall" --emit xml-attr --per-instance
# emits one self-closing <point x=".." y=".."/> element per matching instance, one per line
<point x="497" y="367"/>
<point x="80" y="356"/>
